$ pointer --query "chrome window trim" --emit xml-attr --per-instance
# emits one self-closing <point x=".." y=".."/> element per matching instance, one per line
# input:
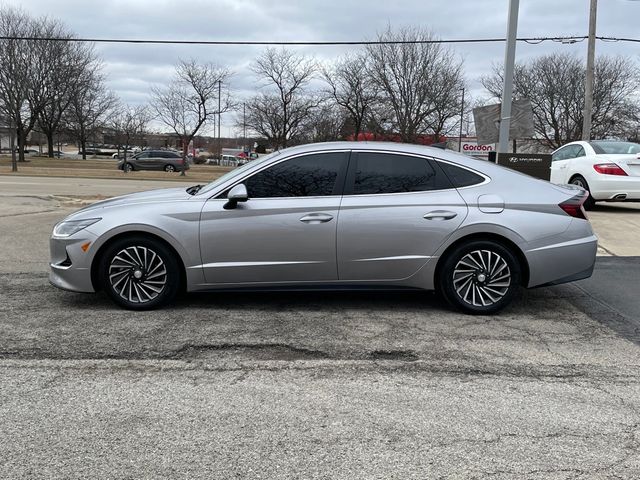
<point x="234" y="182"/>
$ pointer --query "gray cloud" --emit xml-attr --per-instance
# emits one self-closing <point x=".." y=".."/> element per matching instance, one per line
<point x="132" y="69"/>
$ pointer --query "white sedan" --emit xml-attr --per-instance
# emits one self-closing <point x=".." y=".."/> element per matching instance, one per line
<point x="608" y="169"/>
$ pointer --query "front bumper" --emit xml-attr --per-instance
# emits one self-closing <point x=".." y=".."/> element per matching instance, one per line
<point x="71" y="264"/>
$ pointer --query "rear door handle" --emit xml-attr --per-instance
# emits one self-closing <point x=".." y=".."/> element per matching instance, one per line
<point x="316" y="218"/>
<point x="440" y="215"/>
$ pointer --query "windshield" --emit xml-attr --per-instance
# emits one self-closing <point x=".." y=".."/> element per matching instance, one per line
<point x="237" y="171"/>
<point x="616" y="148"/>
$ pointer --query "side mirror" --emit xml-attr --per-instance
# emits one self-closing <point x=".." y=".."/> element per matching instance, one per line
<point x="235" y="195"/>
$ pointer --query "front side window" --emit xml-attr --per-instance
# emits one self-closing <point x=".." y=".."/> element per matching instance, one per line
<point x="377" y="173"/>
<point x="307" y="176"/>
<point x="566" y="153"/>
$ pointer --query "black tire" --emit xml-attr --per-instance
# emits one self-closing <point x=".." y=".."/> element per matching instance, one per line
<point x="127" y="167"/>
<point x="125" y="259"/>
<point x="169" y="168"/>
<point x="472" y="278"/>
<point x="582" y="183"/>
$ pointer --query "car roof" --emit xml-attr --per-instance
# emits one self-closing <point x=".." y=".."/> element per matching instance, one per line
<point x="435" y="152"/>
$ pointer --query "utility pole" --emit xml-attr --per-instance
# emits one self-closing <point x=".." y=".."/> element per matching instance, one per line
<point x="219" y="115"/>
<point x="509" y="63"/>
<point x="588" y="84"/>
<point x="461" y="121"/>
<point x="244" y="124"/>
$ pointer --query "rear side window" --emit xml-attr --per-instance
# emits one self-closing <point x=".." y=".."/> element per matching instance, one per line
<point x="307" y="176"/>
<point x="460" y="177"/>
<point x="377" y="173"/>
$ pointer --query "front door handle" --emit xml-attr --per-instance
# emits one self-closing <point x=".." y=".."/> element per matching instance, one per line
<point x="314" y="218"/>
<point x="440" y="215"/>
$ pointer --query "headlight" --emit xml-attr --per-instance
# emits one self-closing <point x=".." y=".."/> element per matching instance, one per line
<point x="69" y="227"/>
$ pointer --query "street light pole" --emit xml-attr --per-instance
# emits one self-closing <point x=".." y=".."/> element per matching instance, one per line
<point x="589" y="79"/>
<point x="219" y="115"/>
<point x="461" y="121"/>
<point x="509" y="64"/>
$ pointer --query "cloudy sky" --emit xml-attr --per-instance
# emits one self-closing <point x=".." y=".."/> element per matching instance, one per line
<point x="132" y="69"/>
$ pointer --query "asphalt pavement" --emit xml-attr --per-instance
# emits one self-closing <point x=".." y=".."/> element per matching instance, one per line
<point x="312" y="385"/>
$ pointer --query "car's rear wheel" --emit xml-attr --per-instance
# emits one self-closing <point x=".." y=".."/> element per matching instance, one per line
<point x="579" y="181"/>
<point x="480" y="277"/>
<point x="169" y="168"/>
<point x="127" y="167"/>
<point x="139" y="273"/>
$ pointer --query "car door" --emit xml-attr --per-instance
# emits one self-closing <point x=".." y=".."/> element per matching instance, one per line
<point x="285" y="232"/>
<point x="396" y="211"/>
<point x="560" y="163"/>
<point x="143" y="161"/>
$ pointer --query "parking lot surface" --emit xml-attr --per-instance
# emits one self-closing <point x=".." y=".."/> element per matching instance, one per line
<point x="322" y="385"/>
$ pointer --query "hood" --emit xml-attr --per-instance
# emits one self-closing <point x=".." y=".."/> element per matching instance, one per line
<point x="162" y="195"/>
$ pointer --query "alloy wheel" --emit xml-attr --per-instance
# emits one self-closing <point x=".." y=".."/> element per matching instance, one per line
<point x="137" y="274"/>
<point x="578" y="182"/>
<point x="481" y="278"/>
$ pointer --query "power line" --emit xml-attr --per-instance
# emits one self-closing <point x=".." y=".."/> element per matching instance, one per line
<point x="531" y="40"/>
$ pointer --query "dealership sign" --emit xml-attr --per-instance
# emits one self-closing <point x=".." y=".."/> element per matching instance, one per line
<point x="535" y="164"/>
<point x="471" y="147"/>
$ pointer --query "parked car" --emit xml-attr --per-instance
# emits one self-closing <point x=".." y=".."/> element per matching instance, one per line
<point x="130" y="152"/>
<point x="56" y="153"/>
<point x="229" y="161"/>
<point x="154" y="160"/>
<point x="338" y="215"/>
<point x="609" y="170"/>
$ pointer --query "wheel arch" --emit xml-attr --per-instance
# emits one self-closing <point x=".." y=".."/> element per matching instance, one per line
<point x="495" y="237"/>
<point x="95" y="263"/>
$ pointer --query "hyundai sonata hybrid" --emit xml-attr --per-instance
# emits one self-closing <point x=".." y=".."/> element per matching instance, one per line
<point x="345" y="215"/>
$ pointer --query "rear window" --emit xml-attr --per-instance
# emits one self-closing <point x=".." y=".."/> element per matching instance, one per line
<point x="615" y="148"/>
<point x="460" y="177"/>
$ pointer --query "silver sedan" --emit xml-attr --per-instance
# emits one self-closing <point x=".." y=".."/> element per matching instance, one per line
<point x="334" y="216"/>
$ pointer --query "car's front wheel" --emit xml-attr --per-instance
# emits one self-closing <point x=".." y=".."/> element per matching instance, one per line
<point x="480" y="277"/>
<point x="127" y="167"/>
<point x="139" y="273"/>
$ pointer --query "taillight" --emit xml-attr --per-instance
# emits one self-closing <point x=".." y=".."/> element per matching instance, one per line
<point x="609" y="169"/>
<point x="573" y="206"/>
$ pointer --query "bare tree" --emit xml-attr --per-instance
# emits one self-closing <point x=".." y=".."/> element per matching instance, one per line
<point x="279" y="114"/>
<point x="412" y="75"/>
<point x="90" y="105"/>
<point x="129" y="124"/>
<point x="17" y="79"/>
<point x="191" y="99"/>
<point x="325" y="124"/>
<point x="67" y="62"/>
<point x="555" y="85"/>
<point x="352" y="89"/>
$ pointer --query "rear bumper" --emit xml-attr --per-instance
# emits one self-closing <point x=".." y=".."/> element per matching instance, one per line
<point x="609" y="188"/>
<point x="562" y="262"/>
